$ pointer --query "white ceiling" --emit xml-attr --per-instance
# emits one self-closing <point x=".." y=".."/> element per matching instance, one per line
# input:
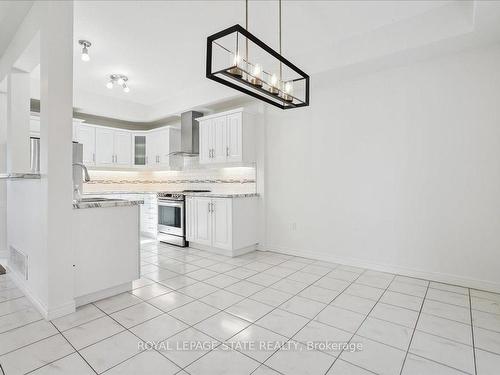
<point x="160" y="45"/>
<point x="12" y="14"/>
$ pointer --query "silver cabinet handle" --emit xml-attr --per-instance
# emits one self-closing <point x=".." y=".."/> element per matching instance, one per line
<point x="93" y="157"/>
<point x="146" y="159"/>
<point x="213" y="207"/>
<point x="227" y="151"/>
<point x="209" y="207"/>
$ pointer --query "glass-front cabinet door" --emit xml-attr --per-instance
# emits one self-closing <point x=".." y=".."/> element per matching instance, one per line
<point x="140" y="150"/>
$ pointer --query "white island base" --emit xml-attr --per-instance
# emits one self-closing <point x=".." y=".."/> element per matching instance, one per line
<point x="106" y="244"/>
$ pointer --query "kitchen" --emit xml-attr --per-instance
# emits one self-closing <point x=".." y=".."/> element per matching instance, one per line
<point x="249" y="187"/>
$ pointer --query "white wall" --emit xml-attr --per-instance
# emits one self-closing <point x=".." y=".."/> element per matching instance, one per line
<point x="397" y="170"/>
<point x="3" y="165"/>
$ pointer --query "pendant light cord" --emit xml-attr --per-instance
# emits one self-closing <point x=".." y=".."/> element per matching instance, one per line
<point x="279" y="34"/>
<point x="246" y="28"/>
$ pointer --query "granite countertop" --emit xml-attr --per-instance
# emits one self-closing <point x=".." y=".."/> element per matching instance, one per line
<point x="222" y="195"/>
<point x="17" y="176"/>
<point x="188" y="194"/>
<point x="106" y="203"/>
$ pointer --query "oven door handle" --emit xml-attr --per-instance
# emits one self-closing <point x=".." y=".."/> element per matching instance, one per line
<point x="170" y="204"/>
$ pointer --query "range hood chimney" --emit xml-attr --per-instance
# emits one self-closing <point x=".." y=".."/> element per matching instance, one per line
<point x="190" y="134"/>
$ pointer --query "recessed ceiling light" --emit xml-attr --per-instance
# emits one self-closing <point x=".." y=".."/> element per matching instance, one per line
<point x="85" y="50"/>
<point x="118" y="79"/>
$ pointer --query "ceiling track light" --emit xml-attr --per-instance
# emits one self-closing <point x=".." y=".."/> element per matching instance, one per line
<point x="119" y="80"/>
<point x="85" y="50"/>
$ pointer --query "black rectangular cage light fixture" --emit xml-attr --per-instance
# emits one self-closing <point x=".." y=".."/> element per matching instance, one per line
<point x="238" y="59"/>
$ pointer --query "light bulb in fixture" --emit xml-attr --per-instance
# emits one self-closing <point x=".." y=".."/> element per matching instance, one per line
<point x="120" y="81"/>
<point x="85" y="50"/>
<point x="109" y="85"/>
<point x="85" y="54"/>
<point x="288" y="87"/>
<point x="254" y="79"/>
<point x="126" y="88"/>
<point x="257" y="70"/>
<point x="236" y="71"/>
<point x="272" y="85"/>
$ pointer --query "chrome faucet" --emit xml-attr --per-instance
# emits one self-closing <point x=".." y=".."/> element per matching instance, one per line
<point x="85" y="170"/>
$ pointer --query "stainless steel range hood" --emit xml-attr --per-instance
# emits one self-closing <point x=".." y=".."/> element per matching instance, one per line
<point x="190" y="135"/>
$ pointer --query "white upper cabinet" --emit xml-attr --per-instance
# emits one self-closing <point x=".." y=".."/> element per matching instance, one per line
<point x="113" y="147"/>
<point x="227" y="137"/>
<point x="234" y="138"/>
<point x="159" y="144"/>
<point x="86" y="136"/>
<point x="104" y="146"/>
<point x="123" y="148"/>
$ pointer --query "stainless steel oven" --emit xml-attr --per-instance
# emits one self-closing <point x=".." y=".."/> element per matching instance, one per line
<point x="171" y="221"/>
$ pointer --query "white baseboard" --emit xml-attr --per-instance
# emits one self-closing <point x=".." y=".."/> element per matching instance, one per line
<point x="229" y="253"/>
<point x="48" y="313"/>
<point x="92" y="297"/>
<point x="399" y="270"/>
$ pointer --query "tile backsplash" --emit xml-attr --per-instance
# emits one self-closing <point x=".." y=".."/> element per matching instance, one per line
<point x="233" y="179"/>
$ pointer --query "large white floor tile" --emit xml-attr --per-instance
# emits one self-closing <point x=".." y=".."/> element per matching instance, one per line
<point x="250" y="310"/>
<point x="341" y="367"/>
<point x="386" y="332"/>
<point x="271" y="297"/>
<point x="257" y="342"/>
<point x="187" y="346"/>
<point x="333" y="284"/>
<point x="364" y="291"/>
<point x="136" y="314"/>
<point x="447" y="328"/>
<point x="448" y="311"/>
<point x="150" y="291"/>
<point x="374" y="356"/>
<point x="170" y="301"/>
<point x="244" y="288"/>
<point x="25" y="335"/>
<point x="198" y="290"/>
<point x="289" y="286"/>
<point x="319" y="294"/>
<point x="222" y="326"/>
<point x="111" y="351"/>
<point x="415" y="365"/>
<point x="299" y="360"/>
<point x="411" y="289"/>
<point x="486" y="305"/>
<point x="486" y="320"/>
<point x="14" y="305"/>
<point x="402" y="300"/>
<point x="36" y="355"/>
<point x="448" y="297"/>
<point x="222" y="281"/>
<point x="221" y="299"/>
<point x="72" y="364"/>
<point x="447" y="352"/>
<point x="282" y="322"/>
<point x="18" y="319"/>
<point x="118" y="302"/>
<point x="92" y="332"/>
<point x="449" y="288"/>
<point x="303" y="306"/>
<point x="323" y="337"/>
<point x="353" y="303"/>
<point x="395" y="314"/>
<point x="487" y="340"/>
<point x="487" y="363"/>
<point x="159" y="328"/>
<point x="145" y="363"/>
<point x="344" y="319"/>
<point x="193" y="312"/>
<point x="223" y="362"/>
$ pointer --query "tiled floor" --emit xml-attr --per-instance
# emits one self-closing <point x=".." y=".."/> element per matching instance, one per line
<point x="193" y="312"/>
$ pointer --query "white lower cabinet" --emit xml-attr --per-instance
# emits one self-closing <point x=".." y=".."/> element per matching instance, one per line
<point x="225" y="225"/>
